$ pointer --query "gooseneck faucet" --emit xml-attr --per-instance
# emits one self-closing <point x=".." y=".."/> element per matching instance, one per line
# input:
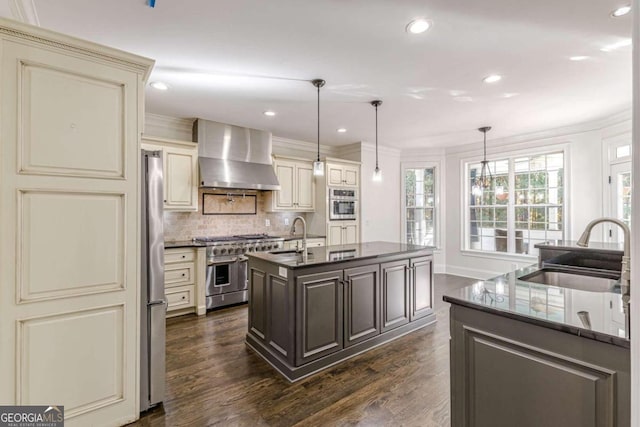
<point x="304" y="233"/>
<point x="625" y="278"/>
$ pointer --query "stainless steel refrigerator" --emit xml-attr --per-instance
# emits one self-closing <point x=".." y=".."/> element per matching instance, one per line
<point x="153" y="302"/>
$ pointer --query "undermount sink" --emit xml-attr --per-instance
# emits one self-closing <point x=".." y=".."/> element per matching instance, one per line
<point x="564" y="279"/>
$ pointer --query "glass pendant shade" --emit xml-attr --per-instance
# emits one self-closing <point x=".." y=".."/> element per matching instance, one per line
<point x="377" y="175"/>
<point x="318" y="168"/>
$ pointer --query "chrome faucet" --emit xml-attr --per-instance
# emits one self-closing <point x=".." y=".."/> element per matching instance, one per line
<point x="304" y="233"/>
<point x="625" y="278"/>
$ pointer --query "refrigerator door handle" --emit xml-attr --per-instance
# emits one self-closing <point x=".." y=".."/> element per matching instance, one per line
<point x="162" y="301"/>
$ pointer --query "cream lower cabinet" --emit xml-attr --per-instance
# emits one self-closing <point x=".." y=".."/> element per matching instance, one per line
<point x="70" y="123"/>
<point x="184" y="277"/>
<point x="343" y="175"/>
<point x="180" y="169"/>
<point x="342" y="233"/>
<point x="297" y="243"/>
<point x="297" y="192"/>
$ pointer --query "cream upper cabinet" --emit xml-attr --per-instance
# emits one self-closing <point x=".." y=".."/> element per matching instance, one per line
<point x="343" y="175"/>
<point x="180" y="167"/>
<point x="297" y="192"/>
<point x="70" y="123"/>
<point x="342" y="233"/>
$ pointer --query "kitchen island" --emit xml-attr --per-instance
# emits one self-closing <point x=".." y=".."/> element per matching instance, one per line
<point x="529" y="353"/>
<point x="312" y="310"/>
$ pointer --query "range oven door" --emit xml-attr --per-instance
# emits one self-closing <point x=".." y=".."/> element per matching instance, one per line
<point x="228" y="274"/>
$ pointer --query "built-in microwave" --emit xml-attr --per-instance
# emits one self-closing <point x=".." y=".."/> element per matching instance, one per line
<point x="343" y="203"/>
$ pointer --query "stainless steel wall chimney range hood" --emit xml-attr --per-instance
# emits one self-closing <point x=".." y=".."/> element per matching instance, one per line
<point x="234" y="157"/>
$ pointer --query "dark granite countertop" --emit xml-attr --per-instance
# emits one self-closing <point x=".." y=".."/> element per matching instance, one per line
<point x="172" y="244"/>
<point x="339" y="253"/>
<point x="547" y="306"/>
<point x="288" y="237"/>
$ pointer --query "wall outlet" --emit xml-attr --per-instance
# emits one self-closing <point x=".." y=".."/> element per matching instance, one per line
<point x="267" y="222"/>
<point x="514" y="266"/>
<point x="286" y="221"/>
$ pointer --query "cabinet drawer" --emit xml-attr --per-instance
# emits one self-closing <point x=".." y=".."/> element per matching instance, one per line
<point x="180" y="297"/>
<point x="179" y="255"/>
<point x="178" y="274"/>
<point x="315" y="243"/>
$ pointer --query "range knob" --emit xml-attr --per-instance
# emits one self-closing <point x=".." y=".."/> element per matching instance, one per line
<point x="216" y="251"/>
<point x="223" y="251"/>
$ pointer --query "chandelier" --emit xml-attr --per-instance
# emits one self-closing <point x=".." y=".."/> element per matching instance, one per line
<point x="483" y="182"/>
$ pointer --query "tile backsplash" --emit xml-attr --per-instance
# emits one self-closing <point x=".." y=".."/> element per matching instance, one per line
<point x="187" y="225"/>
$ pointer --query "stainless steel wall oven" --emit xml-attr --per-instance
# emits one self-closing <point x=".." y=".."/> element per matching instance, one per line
<point x="343" y="203"/>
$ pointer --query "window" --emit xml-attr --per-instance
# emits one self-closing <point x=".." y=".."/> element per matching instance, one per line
<point x="619" y="186"/>
<point x="524" y="205"/>
<point x="419" y="206"/>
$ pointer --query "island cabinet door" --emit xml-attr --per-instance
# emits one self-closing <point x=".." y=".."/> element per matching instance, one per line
<point x="395" y="294"/>
<point x="319" y="315"/>
<point x="421" y="287"/>
<point x="361" y="303"/>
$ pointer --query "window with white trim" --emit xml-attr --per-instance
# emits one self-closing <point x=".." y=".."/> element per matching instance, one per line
<point x="420" y="205"/>
<point x="523" y="206"/>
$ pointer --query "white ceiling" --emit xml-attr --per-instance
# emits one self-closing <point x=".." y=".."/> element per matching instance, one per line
<point x="231" y="60"/>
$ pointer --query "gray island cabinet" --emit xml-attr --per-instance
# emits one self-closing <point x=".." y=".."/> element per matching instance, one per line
<point x="310" y="312"/>
<point x="529" y="354"/>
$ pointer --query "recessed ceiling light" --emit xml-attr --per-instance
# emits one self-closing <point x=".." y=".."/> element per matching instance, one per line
<point x="269" y="113"/>
<point x="510" y="94"/>
<point x="418" y="26"/>
<point x="342" y="130"/>
<point x="492" y="78"/>
<point x="621" y="11"/>
<point x="159" y="85"/>
<point x="578" y="58"/>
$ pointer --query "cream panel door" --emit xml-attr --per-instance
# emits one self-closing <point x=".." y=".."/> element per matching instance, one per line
<point x="350" y="174"/>
<point x="70" y="122"/>
<point x="350" y="235"/>
<point x="286" y="173"/>
<point x="71" y="243"/>
<point x="306" y="187"/>
<point x="71" y="375"/>
<point x="334" y="234"/>
<point x="179" y="182"/>
<point x="334" y="175"/>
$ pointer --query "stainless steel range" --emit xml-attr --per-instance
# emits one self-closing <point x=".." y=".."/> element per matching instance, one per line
<point x="227" y="266"/>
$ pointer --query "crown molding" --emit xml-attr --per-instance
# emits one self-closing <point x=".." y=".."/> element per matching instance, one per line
<point x="616" y="120"/>
<point x="24" y="11"/>
<point x="382" y="149"/>
<point x="53" y="40"/>
<point x="173" y="127"/>
<point x="281" y="144"/>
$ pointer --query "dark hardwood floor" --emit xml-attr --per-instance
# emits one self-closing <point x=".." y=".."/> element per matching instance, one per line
<point x="214" y="379"/>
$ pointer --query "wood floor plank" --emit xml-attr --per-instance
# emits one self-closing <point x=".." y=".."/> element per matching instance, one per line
<point x="213" y="379"/>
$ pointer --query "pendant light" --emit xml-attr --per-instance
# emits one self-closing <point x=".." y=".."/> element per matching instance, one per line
<point x="318" y="166"/>
<point x="483" y="182"/>
<point x="377" y="174"/>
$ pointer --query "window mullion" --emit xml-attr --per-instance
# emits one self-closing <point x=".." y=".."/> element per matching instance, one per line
<point x="511" y="222"/>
